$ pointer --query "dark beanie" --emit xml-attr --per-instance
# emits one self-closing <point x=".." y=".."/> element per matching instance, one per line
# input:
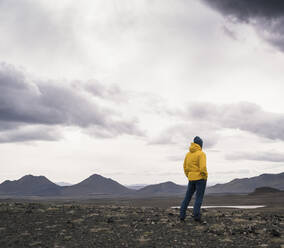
<point x="198" y="140"/>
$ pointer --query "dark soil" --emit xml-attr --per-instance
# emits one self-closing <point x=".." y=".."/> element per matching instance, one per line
<point x="75" y="224"/>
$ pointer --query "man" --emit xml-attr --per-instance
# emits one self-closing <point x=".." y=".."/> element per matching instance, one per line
<point x="195" y="170"/>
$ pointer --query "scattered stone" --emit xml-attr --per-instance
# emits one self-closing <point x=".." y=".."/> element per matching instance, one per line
<point x="26" y="233"/>
<point x="239" y="220"/>
<point x="36" y="243"/>
<point x="110" y="220"/>
<point x="78" y="221"/>
<point x="67" y="237"/>
<point x="52" y="209"/>
<point x="90" y="225"/>
<point x="275" y="233"/>
<point x="51" y="227"/>
<point x="227" y="240"/>
<point x="28" y="211"/>
<point x="98" y="229"/>
<point x="142" y="239"/>
<point x="93" y="214"/>
<point x="41" y="210"/>
<point x="164" y="220"/>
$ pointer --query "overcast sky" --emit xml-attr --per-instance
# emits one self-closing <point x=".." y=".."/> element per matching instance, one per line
<point x="120" y="88"/>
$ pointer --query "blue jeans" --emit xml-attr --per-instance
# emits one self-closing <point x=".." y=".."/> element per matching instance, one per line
<point x="198" y="186"/>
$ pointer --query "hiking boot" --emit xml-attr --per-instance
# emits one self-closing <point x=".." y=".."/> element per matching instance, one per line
<point x="181" y="220"/>
<point x="199" y="220"/>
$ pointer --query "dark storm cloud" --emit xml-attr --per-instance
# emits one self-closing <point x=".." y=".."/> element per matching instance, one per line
<point x="257" y="156"/>
<point x="4" y="125"/>
<point x="29" y="133"/>
<point x="244" y="116"/>
<point x="24" y="102"/>
<point x="244" y="10"/>
<point x="267" y="16"/>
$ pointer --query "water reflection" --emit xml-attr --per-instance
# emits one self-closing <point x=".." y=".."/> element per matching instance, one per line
<point x="230" y="206"/>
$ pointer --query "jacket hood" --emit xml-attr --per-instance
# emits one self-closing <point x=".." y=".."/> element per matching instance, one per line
<point x="194" y="147"/>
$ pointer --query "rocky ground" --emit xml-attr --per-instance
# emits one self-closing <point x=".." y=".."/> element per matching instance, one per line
<point x="30" y="224"/>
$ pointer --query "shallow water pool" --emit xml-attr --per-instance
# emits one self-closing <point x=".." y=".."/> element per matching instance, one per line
<point x="229" y="206"/>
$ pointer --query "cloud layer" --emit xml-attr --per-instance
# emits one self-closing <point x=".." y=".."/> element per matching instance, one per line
<point x="184" y="132"/>
<point x="30" y="133"/>
<point x="244" y="116"/>
<point x="209" y="120"/>
<point x="266" y="16"/>
<point x="257" y="156"/>
<point x="43" y="104"/>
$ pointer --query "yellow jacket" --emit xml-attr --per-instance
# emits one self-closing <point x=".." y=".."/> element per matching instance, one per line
<point x="195" y="163"/>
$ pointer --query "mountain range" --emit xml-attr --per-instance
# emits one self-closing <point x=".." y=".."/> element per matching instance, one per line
<point x="248" y="185"/>
<point x="95" y="185"/>
<point x="30" y="185"/>
<point x="162" y="189"/>
<point x="99" y="186"/>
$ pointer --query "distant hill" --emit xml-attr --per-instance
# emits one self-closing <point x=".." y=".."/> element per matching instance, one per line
<point x="167" y="188"/>
<point x="30" y="185"/>
<point x="248" y="185"/>
<point x="265" y="190"/>
<point x="95" y="185"/>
